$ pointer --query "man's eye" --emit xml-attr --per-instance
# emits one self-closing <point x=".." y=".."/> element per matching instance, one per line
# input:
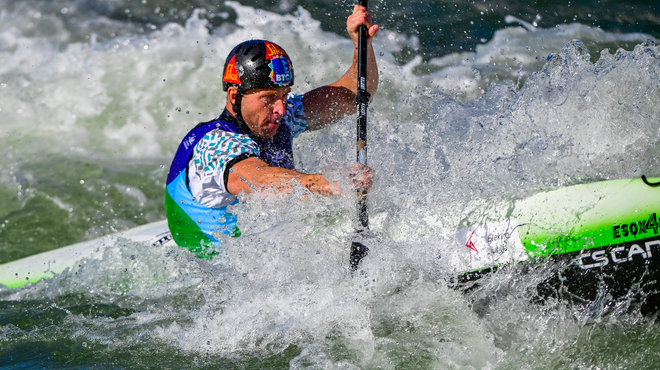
<point x="272" y="99"/>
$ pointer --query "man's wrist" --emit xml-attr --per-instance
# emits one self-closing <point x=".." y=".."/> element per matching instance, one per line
<point x="318" y="184"/>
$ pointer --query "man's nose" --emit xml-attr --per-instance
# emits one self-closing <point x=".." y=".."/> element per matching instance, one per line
<point x="279" y="107"/>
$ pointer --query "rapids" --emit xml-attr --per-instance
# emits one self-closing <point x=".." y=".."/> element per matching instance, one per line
<point x="89" y="124"/>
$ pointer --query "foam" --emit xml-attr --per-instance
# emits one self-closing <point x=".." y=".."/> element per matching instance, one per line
<point x="286" y="280"/>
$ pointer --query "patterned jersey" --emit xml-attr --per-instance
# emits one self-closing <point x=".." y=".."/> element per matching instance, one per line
<point x="218" y="151"/>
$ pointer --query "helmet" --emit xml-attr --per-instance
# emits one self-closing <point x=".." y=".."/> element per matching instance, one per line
<point x="257" y="64"/>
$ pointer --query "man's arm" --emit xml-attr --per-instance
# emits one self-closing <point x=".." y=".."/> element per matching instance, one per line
<point x="330" y="103"/>
<point x="254" y="175"/>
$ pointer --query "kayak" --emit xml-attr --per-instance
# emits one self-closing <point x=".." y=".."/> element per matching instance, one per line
<point x="45" y="265"/>
<point x="602" y="239"/>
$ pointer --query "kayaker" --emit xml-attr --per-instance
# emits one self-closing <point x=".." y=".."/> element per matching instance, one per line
<point x="248" y="148"/>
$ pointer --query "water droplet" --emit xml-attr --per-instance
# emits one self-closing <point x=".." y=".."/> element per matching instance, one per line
<point x="64" y="10"/>
<point x="82" y="181"/>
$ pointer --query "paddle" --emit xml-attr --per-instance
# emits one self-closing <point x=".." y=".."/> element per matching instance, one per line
<point x="359" y="250"/>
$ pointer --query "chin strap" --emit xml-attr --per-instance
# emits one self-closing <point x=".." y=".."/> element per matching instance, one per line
<point x="236" y="106"/>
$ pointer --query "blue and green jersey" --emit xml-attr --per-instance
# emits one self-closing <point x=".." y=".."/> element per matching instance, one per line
<point x="196" y="197"/>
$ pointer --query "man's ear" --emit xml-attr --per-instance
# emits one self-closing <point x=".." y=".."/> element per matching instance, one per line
<point x="231" y="95"/>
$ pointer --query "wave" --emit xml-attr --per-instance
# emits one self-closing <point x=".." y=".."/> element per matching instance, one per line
<point x="88" y="128"/>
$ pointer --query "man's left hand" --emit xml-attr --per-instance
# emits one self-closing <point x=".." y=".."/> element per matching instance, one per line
<point x="360" y="17"/>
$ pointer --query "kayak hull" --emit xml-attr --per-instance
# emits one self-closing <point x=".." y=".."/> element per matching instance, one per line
<point x="45" y="265"/>
<point x="594" y="241"/>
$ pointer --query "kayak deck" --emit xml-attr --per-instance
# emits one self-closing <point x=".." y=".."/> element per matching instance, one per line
<point x="45" y="265"/>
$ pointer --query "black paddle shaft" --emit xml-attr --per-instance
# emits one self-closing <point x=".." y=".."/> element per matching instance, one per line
<point x="359" y="250"/>
<point x="362" y="102"/>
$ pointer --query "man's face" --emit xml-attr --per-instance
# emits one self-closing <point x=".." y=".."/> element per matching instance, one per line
<point x="262" y="110"/>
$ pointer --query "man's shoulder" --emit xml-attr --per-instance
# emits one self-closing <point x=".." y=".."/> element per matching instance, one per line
<point x="294" y="100"/>
<point x="220" y="140"/>
<point x="294" y="117"/>
<point x="217" y="123"/>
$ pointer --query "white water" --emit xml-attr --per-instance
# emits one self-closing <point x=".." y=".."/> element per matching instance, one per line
<point x="285" y="281"/>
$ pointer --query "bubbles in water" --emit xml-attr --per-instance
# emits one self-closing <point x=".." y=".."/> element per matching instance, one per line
<point x="284" y="286"/>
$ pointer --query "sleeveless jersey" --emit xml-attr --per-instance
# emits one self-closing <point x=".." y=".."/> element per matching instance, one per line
<point x="196" y="197"/>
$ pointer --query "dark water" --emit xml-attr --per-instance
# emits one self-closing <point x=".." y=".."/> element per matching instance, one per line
<point x="441" y="27"/>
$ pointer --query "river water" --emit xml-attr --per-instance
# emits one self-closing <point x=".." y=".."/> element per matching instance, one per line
<point x="477" y="100"/>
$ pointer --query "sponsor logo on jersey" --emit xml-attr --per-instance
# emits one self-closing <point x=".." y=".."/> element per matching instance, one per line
<point x="190" y="141"/>
<point x="231" y="75"/>
<point x="277" y="157"/>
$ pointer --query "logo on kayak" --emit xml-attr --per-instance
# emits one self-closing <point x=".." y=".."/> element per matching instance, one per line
<point x="470" y="244"/>
<point x="493" y="244"/>
<point x="636" y="228"/>
<point x="161" y="239"/>
<point x="617" y="255"/>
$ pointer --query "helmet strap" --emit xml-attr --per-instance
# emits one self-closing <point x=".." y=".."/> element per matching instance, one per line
<point x="236" y="106"/>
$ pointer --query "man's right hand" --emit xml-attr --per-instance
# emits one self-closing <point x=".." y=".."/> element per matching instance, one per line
<point x="361" y="176"/>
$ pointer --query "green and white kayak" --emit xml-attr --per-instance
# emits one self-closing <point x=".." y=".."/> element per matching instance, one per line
<point x="582" y="218"/>
<point x="45" y="265"/>
<point x="604" y="234"/>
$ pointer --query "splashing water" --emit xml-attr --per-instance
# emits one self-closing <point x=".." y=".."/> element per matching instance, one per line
<point x="86" y="127"/>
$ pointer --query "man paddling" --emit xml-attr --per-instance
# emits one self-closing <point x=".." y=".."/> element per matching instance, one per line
<point x="248" y="148"/>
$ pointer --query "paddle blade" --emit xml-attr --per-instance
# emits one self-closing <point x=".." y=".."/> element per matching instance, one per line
<point x="358" y="252"/>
